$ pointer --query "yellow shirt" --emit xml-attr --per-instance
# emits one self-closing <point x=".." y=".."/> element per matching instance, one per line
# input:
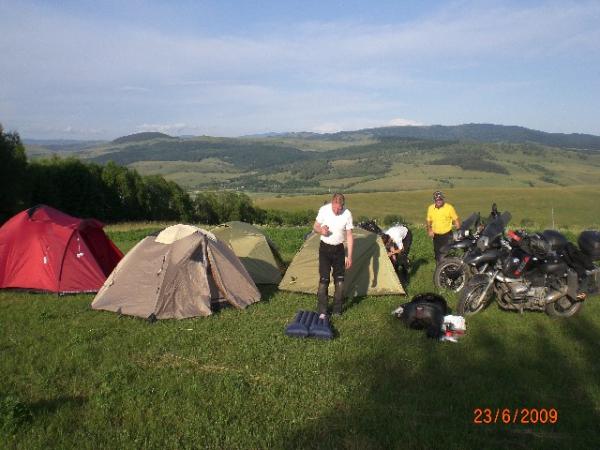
<point x="441" y="218"/>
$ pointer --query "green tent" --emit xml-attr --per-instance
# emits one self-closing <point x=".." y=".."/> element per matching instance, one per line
<point x="371" y="273"/>
<point x="256" y="251"/>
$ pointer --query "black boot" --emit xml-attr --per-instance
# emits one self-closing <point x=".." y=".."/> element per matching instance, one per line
<point x="338" y="298"/>
<point x="322" y="298"/>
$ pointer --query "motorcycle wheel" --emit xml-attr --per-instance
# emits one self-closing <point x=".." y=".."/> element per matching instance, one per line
<point x="563" y="308"/>
<point x="468" y="302"/>
<point x="450" y="274"/>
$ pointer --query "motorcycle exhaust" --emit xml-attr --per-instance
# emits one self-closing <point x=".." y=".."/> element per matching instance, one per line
<point x="553" y="295"/>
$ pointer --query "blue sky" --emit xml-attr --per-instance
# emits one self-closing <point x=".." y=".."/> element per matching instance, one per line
<point x="103" y="69"/>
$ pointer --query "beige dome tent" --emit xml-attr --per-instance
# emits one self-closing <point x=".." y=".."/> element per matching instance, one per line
<point x="258" y="254"/>
<point x="371" y="273"/>
<point x="177" y="274"/>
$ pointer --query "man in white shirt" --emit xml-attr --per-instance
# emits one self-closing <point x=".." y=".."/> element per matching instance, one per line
<point x="334" y="224"/>
<point x="397" y="240"/>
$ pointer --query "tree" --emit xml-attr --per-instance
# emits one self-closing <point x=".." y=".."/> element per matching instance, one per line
<point x="14" y="188"/>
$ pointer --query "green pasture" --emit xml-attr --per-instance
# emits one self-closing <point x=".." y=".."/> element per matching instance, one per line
<point x="361" y="164"/>
<point x="77" y="378"/>
<point x="572" y="207"/>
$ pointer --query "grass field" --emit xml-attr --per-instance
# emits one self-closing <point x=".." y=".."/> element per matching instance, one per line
<point x="77" y="378"/>
<point x="573" y="207"/>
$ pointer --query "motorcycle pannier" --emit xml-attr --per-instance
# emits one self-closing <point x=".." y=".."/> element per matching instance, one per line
<point x="557" y="240"/>
<point x="589" y="243"/>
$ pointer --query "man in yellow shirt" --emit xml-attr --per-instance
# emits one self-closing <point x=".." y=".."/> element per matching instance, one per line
<point x="440" y="217"/>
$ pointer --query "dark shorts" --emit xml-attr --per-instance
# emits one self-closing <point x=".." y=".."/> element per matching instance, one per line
<point x="331" y="257"/>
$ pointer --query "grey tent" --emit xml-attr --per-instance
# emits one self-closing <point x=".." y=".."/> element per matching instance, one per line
<point x="258" y="253"/>
<point x="177" y="274"/>
<point x="371" y="273"/>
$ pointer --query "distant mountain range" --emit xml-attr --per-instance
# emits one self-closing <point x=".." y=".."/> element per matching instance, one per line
<point x="375" y="159"/>
<point x="139" y="137"/>
<point x="478" y="132"/>
<point x="62" y="145"/>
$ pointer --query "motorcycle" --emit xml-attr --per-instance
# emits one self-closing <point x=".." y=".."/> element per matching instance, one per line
<point x="530" y="273"/>
<point x="452" y="273"/>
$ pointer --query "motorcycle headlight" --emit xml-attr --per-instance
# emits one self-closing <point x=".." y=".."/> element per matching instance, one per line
<point x="483" y="242"/>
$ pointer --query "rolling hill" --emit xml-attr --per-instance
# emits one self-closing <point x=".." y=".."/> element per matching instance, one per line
<point x="370" y="160"/>
<point x="472" y="132"/>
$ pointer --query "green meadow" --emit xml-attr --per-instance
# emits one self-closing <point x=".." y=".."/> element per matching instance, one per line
<point x="572" y="207"/>
<point x="77" y="378"/>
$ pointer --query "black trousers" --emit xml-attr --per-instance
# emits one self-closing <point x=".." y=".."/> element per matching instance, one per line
<point x="402" y="258"/>
<point x="331" y="257"/>
<point x="439" y="240"/>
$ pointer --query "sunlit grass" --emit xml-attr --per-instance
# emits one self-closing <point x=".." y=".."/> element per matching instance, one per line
<point x="73" y="377"/>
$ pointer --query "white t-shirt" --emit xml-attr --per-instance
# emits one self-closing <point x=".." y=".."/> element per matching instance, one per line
<point x="337" y="224"/>
<point x="397" y="233"/>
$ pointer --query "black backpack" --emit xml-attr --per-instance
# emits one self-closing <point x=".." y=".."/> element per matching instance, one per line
<point x="425" y="311"/>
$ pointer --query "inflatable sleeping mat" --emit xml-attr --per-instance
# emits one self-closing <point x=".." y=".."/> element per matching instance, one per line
<point x="308" y="324"/>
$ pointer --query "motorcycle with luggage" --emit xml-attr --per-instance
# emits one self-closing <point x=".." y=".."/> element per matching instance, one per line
<point x="452" y="272"/>
<point x="535" y="274"/>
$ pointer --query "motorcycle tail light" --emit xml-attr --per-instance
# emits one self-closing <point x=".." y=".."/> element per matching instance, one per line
<point x="514" y="236"/>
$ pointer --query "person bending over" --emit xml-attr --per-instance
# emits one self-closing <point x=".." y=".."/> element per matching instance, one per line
<point x="397" y="241"/>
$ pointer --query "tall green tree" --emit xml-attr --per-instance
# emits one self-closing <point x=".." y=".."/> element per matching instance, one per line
<point x="14" y="187"/>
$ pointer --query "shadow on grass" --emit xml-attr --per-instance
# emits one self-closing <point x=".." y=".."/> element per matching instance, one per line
<point x="51" y="405"/>
<point x="429" y="400"/>
<point x="352" y="302"/>
<point x="267" y="292"/>
<point x="416" y="265"/>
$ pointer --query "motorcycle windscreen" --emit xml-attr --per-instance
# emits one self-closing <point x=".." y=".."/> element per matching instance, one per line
<point x="469" y="223"/>
<point x="495" y="228"/>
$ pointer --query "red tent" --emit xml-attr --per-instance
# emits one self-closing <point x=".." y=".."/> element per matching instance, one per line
<point x="45" y="249"/>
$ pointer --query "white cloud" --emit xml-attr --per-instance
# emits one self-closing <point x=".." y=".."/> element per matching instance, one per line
<point x="320" y="76"/>
<point x="399" y="122"/>
<point x="133" y="89"/>
<point x="168" y="128"/>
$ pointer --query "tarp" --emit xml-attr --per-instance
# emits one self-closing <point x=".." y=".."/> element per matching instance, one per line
<point x="371" y="273"/>
<point x="258" y="253"/>
<point x="177" y="274"/>
<point x="45" y="249"/>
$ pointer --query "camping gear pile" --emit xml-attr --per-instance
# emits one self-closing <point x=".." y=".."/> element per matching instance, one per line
<point x="429" y="311"/>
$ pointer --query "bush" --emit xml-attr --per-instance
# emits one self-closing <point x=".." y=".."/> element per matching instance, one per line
<point x="527" y="222"/>
<point x="392" y="219"/>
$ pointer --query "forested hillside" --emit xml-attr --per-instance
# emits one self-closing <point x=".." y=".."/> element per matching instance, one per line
<point x="372" y="160"/>
<point x="114" y="193"/>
